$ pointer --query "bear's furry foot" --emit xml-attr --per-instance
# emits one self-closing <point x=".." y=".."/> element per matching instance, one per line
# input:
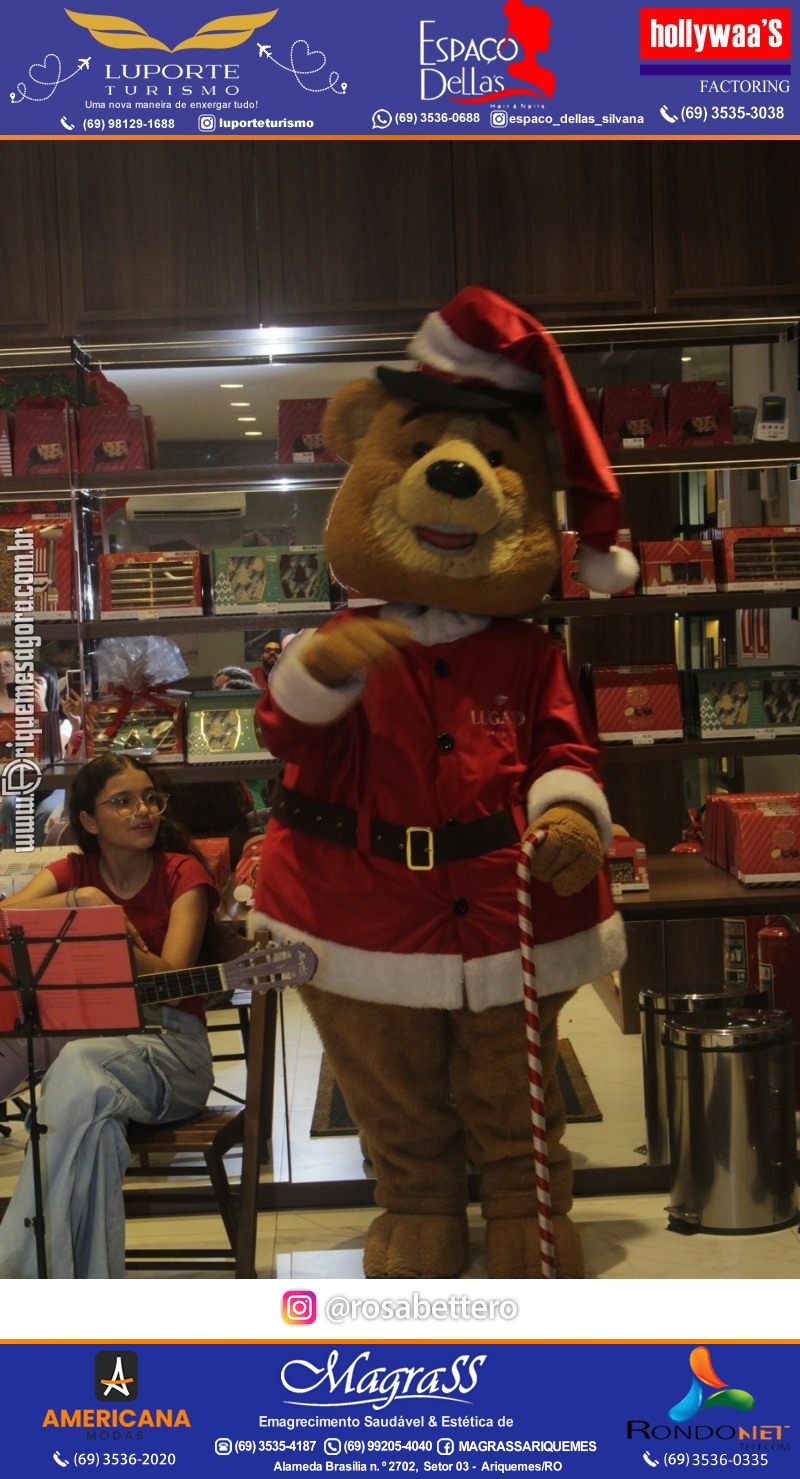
<point x="405" y="1245"/>
<point x="512" y="1249"/>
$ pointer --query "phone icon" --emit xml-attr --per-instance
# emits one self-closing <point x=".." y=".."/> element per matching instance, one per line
<point x="653" y="1462"/>
<point x="62" y="1462"/>
<point x="665" y="113"/>
<point x="69" y="126"/>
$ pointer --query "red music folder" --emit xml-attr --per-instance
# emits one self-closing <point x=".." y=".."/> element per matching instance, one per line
<point x="82" y="970"/>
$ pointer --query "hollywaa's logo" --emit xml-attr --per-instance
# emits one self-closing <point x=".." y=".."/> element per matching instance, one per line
<point x="126" y="35"/>
<point x="527" y="35"/>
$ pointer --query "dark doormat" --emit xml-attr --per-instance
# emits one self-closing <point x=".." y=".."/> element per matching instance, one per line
<point x="331" y="1115"/>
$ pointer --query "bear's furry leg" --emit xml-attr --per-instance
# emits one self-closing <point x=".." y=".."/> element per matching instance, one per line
<point x="489" y="1065"/>
<point x="391" y="1064"/>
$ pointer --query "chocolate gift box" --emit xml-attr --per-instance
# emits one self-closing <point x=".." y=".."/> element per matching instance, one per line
<point x="698" y="414"/>
<point x="52" y="555"/>
<point x="258" y="579"/>
<point x="221" y="726"/>
<point x="41" y="441"/>
<point x="300" y="431"/>
<point x="163" y="583"/>
<point x="626" y="864"/>
<point x="111" y="439"/>
<point x="637" y="705"/>
<point x="148" y="723"/>
<point x="633" y="416"/>
<point x="748" y="703"/>
<point x="749" y="558"/>
<point x="6" y="464"/>
<point x="676" y="567"/>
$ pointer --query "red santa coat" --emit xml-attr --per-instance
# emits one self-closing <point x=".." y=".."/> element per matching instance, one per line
<point x="476" y="716"/>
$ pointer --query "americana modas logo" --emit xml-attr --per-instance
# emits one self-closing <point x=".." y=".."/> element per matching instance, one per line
<point x="116" y="1376"/>
<point x="127" y="35"/>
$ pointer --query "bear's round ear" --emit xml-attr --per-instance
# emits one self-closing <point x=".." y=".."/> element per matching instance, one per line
<point x="348" y="416"/>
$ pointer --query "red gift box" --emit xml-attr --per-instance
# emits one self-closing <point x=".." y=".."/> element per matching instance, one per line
<point x="698" y="414"/>
<point x="41" y="440"/>
<point x="6" y="465"/>
<point x="633" y="416"/>
<point x="569" y="587"/>
<point x="48" y="541"/>
<point x="300" y="431"/>
<point x="216" y="854"/>
<point x="677" y="566"/>
<point x="111" y="439"/>
<point x="165" y="583"/>
<point x="637" y="704"/>
<point x="765" y="842"/>
<point x="747" y="559"/>
<point x="626" y="865"/>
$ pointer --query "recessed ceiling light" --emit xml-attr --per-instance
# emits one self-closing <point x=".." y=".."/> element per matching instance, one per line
<point x="686" y="359"/>
<point x="230" y="385"/>
<point x="246" y="418"/>
<point x="241" y="403"/>
<point x="254" y="433"/>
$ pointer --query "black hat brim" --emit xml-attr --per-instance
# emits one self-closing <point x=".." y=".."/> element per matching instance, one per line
<point x="454" y="395"/>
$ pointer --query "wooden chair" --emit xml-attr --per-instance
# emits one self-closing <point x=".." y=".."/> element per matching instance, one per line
<point x="213" y="1133"/>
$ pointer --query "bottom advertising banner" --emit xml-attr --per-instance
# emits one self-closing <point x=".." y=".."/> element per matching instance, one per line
<point x="384" y="1408"/>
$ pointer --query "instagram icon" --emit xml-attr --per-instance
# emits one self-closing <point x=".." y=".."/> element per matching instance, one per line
<point x="299" y="1307"/>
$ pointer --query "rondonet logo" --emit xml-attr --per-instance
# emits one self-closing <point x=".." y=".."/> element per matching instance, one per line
<point x="719" y="33"/>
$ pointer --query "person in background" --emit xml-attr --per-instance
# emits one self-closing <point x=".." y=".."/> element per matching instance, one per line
<point x="233" y="677"/>
<point x="7" y="669"/>
<point x="46" y="697"/>
<point x="131" y="854"/>
<point x="273" y="645"/>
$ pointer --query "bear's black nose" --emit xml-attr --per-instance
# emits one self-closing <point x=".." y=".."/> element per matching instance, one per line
<point x="456" y="479"/>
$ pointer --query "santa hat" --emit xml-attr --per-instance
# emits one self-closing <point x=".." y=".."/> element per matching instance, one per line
<point x="481" y="352"/>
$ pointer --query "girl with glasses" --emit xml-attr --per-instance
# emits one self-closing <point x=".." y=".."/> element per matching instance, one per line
<point x="131" y="854"/>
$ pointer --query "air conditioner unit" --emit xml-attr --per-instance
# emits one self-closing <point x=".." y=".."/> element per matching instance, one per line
<point x="191" y="508"/>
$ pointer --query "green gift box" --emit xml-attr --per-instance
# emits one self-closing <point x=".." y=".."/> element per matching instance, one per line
<point x="258" y="579"/>
<point x="221" y="726"/>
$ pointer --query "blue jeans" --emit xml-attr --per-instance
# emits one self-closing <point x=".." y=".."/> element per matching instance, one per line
<point x="87" y="1097"/>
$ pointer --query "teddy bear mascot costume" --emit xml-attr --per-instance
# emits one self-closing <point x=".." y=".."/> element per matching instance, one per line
<point x="423" y="736"/>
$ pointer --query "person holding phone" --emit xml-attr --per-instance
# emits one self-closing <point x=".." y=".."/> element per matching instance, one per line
<point x="131" y="854"/>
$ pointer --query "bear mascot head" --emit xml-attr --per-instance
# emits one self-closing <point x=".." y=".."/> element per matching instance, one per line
<point x="423" y="736"/>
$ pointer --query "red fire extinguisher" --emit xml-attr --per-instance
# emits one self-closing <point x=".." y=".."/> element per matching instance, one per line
<point x="779" y="973"/>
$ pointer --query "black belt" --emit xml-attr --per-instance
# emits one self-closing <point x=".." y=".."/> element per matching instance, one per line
<point x="418" y="848"/>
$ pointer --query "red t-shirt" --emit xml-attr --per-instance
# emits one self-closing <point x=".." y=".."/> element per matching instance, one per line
<point x="173" y="874"/>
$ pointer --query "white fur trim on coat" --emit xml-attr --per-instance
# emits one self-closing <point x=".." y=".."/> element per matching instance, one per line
<point x="303" y="697"/>
<point x="437" y="345"/>
<point x="446" y="981"/>
<point x="558" y="786"/>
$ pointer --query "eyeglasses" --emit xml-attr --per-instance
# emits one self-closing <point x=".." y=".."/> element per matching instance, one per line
<point x="126" y="804"/>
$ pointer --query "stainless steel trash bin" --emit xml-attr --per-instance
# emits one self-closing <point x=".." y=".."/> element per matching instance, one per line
<point x="730" y="1100"/>
<point x="654" y="1005"/>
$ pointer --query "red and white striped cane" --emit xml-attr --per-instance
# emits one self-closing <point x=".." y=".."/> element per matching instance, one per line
<point x="528" y="846"/>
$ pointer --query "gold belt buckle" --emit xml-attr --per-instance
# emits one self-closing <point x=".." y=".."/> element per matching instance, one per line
<point x="427" y="833"/>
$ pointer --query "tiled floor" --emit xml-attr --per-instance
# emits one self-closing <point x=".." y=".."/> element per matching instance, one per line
<point x="625" y="1237"/>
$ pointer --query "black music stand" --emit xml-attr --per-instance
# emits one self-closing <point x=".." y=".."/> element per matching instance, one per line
<point x="48" y="958"/>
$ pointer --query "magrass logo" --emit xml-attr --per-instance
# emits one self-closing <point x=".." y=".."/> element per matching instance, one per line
<point x="127" y="35"/>
<point x="697" y="1399"/>
<point x="116" y="1376"/>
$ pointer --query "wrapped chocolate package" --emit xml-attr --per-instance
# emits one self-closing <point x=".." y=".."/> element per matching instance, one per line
<point x="259" y="579"/>
<point x="138" y="713"/>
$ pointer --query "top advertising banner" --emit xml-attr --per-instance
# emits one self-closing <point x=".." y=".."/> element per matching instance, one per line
<point x="450" y="68"/>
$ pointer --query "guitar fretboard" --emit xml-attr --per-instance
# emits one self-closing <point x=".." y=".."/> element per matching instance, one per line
<point x="201" y="980"/>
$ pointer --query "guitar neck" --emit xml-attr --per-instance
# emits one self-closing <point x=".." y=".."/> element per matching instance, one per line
<point x="200" y="980"/>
